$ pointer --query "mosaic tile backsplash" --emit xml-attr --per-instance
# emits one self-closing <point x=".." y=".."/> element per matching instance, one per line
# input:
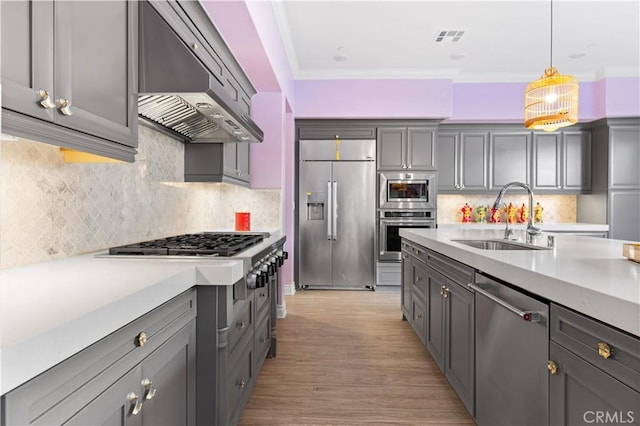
<point x="557" y="208"/>
<point x="50" y="209"/>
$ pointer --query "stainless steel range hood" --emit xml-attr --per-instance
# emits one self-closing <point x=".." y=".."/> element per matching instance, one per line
<point x="179" y="94"/>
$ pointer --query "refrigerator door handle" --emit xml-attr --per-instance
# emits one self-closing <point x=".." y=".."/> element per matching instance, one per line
<point x="334" y="204"/>
<point x="329" y="210"/>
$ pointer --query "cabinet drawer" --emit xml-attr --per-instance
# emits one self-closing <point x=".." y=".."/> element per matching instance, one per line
<point x="263" y="296"/>
<point x="67" y="387"/>
<point x="590" y="340"/>
<point x="415" y="250"/>
<point x="451" y="269"/>
<point x="240" y="379"/>
<point x="242" y="321"/>
<point x="263" y="338"/>
<point x="419" y="315"/>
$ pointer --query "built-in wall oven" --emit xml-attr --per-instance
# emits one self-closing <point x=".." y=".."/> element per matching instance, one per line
<point x="407" y="190"/>
<point x="389" y="233"/>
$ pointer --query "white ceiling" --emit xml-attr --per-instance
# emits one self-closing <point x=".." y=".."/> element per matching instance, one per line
<point x="502" y="40"/>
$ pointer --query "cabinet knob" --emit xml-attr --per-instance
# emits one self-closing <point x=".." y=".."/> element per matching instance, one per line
<point x="194" y="46"/>
<point x="149" y="390"/>
<point x="242" y="324"/>
<point x="263" y="339"/>
<point x="64" y="106"/>
<point x="45" y="100"/>
<point x="418" y="278"/>
<point x="604" y="350"/>
<point x="141" y="339"/>
<point x="446" y="292"/>
<point x="419" y="316"/>
<point x="136" y="405"/>
<point x="442" y="290"/>
<point x="552" y="367"/>
<point x="242" y="384"/>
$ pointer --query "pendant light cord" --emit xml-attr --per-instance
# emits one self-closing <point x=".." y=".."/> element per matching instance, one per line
<point x="551" y="38"/>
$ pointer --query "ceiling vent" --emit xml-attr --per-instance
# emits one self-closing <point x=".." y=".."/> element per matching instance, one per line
<point x="448" y="36"/>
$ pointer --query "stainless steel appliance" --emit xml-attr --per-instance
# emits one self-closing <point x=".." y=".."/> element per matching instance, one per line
<point x="391" y="221"/>
<point x="336" y="214"/>
<point x="512" y="349"/>
<point x="180" y="94"/>
<point x="407" y="190"/>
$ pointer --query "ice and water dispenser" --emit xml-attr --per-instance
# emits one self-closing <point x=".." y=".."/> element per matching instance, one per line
<point x="315" y="205"/>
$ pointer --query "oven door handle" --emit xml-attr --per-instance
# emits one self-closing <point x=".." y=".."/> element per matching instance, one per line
<point x="408" y="222"/>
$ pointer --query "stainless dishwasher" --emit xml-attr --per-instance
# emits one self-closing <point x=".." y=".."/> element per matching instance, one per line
<point x="512" y="350"/>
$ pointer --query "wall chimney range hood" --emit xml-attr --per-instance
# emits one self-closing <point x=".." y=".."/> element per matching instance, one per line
<point x="179" y="95"/>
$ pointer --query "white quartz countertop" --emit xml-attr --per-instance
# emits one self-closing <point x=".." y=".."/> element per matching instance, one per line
<point x="52" y="310"/>
<point x="549" y="227"/>
<point x="586" y="274"/>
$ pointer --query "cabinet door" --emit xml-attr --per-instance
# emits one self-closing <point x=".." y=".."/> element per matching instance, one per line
<point x="623" y="215"/>
<point x="230" y="163"/>
<point x="27" y="57"/>
<point x="407" y="271"/>
<point x="474" y="161"/>
<point x="624" y="152"/>
<point x="421" y="153"/>
<point x="392" y="145"/>
<point x="547" y="161"/>
<point x="447" y="154"/>
<point x="577" y="160"/>
<point x="115" y="406"/>
<point x="435" y="341"/>
<point x="168" y="381"/>
<point x="580" y="394"/>
<point x="509" y="158"/>
<point x="96" y="67"/>
<point x="460" y="343"/>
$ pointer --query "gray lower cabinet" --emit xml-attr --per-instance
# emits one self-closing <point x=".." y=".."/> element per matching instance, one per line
<point x="217" y="162"/>
<point x="561" y="162"/>
<point x="594" y="372"/>
<point x="406" y="281"/>
<point x="122" y="379"/>
<point x="463" y="161"/>
<point x="69" y="74"/>
<point x="406" y="148"/>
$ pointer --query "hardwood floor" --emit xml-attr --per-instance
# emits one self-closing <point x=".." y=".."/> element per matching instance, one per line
<point x="347" y="358"/>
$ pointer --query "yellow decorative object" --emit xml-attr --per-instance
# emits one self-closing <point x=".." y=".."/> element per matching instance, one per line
<point x="537" y="213"/>
<point x="511" y="213"/>
<point x="551" y="101"/>
<point x="481" y="212"/>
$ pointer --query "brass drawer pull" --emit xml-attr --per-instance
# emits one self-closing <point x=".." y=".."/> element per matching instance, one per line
<point x="141" y="339"/>
<point x="242" y="384"/>
<point x="241" y="324"/>
<point x="552" y="367"/>
<point x="604" y="350"/>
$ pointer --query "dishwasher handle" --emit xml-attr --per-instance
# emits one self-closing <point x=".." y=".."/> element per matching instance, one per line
<point x="525" y="315"/>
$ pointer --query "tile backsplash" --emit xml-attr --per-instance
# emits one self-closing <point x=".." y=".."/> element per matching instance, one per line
<point x="557" y="208"/>
<point x="50" y="209"/>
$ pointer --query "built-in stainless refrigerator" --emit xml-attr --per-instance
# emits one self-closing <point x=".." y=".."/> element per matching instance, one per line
<point x="336" y="208"/>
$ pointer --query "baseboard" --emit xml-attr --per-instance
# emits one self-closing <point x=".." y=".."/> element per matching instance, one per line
<point x="282" y="310"/>
<point x="290" y="289"/>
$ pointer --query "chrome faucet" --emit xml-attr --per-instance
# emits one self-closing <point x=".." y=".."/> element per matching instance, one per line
<point x="532" y="231"/>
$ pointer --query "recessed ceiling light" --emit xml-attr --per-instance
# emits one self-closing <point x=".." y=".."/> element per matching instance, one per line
<point x="577" y="55"/>
<point x="457" y="56"/>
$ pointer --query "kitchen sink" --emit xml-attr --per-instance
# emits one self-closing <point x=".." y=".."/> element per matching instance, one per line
<point x="499" y="245"/>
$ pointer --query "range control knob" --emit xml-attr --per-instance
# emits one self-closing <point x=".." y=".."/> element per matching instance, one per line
<point x="252" y="281"/>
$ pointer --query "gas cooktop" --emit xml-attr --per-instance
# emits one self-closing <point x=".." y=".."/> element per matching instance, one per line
<point x="209" y="244"/>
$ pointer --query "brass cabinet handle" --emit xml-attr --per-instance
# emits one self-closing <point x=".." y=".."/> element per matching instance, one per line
<point x="141" y="339"/>
<point x="136" y="405"/>
<point x="552" y="367"/>
<point x="194" y="46"/>
<point x="149" y="390"/>
<point x="45" y="100"/>
<point x="242" y="384"/>
<point x="604" y="350"/>
<point x="418" y="278"/>
<point x="65" y="106"/>
<point x="446" y="292"/>
<point x="419" y="316"/>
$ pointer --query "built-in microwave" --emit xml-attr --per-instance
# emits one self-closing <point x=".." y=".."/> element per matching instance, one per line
<point x="407" y="190"/>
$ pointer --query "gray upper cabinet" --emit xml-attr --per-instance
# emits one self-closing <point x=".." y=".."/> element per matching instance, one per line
<point x="624" y="152"/>
<point x="562" y="162"/>
<point x="406" y="148"/>
<point x="510" y="158"/>
<point x="463" y="161"/>
<point x="217" y="162"/>
<point x="69" y="74"/>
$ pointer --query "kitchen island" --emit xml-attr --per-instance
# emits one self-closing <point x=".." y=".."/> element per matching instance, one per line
<point x="492" y="318"/>
<point x="76" y="328"/>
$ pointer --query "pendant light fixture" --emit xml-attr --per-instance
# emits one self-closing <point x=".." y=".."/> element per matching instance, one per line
<point x="551" y="101"/>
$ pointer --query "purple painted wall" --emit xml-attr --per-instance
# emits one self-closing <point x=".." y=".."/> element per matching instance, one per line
<point x="266" y="157"/>
<point x="373" y="98"/>
<point x="622" y="97"/>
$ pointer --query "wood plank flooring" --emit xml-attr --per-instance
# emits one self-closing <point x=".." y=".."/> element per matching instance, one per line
<point x="347" y="358"/>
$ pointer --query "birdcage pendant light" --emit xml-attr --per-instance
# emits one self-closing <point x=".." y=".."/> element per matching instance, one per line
<point x="551" y="101"/>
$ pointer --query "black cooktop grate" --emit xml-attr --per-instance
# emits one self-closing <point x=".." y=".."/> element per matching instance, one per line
<point x="202" y="244"/>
